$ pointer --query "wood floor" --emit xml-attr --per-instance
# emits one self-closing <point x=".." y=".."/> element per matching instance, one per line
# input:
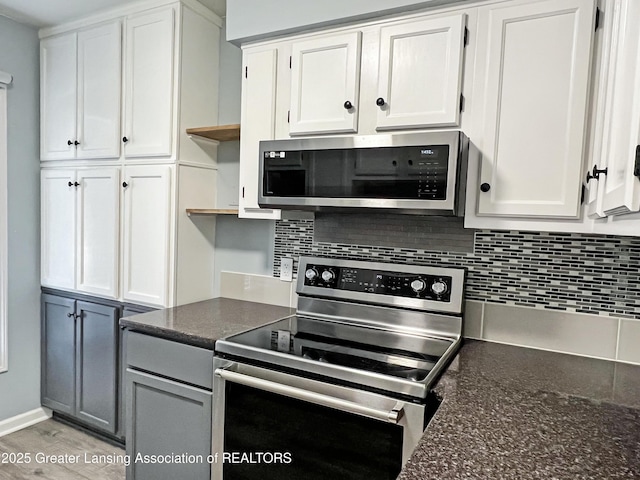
<point x="53" y="438"/>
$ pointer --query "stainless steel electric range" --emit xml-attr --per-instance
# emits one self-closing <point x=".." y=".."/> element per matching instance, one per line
<point x="341" y="389"/>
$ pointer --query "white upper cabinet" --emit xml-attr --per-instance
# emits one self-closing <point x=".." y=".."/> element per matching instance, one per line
<point x="258" y="123"/>
<point x="420" y="75"/>
<point x="535" y="96"/>
<point x="79" y="227"/>
<point x="58" y="97"/>
<point x="58" y="226"/>
<point x="147" y="231"/>
<point x="616" y="189"/>
<point x="325" y="81"/>
<point x="80" y="94"/>
<point x="149" y="84"/>
<point x="99" y="79"/>
<point x="97" y="201"/>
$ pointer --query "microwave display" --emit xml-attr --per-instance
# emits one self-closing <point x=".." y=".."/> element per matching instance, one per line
<point x="405" y="172"/>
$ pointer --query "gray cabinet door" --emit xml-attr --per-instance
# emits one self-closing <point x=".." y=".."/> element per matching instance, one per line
<point x="97" y="354"/>
<point x="164" y="418"/>
<point x="58" y="353"/>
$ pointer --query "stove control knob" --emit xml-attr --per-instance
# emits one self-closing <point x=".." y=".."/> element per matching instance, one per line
<point x="311" y="273"/>
<point x="418" y="285"/>
<point x="328" y="276"/>
<point x="439" y="287"/>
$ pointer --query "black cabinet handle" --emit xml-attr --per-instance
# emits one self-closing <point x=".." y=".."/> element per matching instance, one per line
<point x="595" y="173"/>
<point x="380" y="102"/>
<point x="76" y="143"/>
<point x="69" y="142"/>
<point x="485" y="187"/>
<point x="348" y="105"/>
<point x="70" y="184"/>
<point x="72" y="315"/>
<point x="125" y="139"/>
<point x="125" y="184"/>
<point x="76" y="184"/>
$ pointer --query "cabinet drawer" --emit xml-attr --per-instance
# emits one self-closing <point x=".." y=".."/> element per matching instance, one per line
<point x="184" y="363"/>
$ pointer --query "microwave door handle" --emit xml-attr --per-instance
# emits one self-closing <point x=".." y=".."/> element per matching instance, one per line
<point x="392" y="416"/>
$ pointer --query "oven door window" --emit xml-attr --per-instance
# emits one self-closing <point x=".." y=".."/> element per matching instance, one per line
<point x="323" y="442"/>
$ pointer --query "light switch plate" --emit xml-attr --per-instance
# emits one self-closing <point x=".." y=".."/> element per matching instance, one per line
<point x="286" y="269"/>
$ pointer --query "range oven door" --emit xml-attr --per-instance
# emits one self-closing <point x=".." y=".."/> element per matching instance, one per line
<point x="274" y="425"/>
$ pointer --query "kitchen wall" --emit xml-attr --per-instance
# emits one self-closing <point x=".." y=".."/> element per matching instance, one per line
<point x="564" y="292"/>
<point x="242" y="245"/>
<point x="20" y="386"/>
<point x="255" y="19"/>
<point x="593" y="274"/>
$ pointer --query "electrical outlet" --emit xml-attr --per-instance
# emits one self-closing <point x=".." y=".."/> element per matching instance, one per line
<point x="286" y="269"/>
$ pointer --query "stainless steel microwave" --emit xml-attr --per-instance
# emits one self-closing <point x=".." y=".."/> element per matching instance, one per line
<point x="416" y="173"/>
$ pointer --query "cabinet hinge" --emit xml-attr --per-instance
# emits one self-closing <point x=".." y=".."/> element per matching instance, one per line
<point x="466" y="36"/>
<point x="288" y="116"/>
<point x="246" y="72"/>
<point x="461" y="103"/>
<point x="598" y="16"/>
<point x="290" y="61"/>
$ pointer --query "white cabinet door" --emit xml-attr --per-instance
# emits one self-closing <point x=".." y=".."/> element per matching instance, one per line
<point x="97" y="231"/>
<point x="620" y="189"/>
<point x="58" y="227"/>
<point x="420" y="74"/>
<point x="58" y="97"/>
<point x="257" y="123"/>
<point x="535" y="102"/>
<point x="147" y="220"/>
<point x="99" y="78"/>
<point x="149" y="86"/>
<point x="325" y="82"/>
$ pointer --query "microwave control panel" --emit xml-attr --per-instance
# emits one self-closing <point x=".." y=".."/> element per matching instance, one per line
<point x="398" y="284"/>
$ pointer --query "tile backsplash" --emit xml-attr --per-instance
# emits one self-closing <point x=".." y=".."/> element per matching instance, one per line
<point x="593" y="274"/>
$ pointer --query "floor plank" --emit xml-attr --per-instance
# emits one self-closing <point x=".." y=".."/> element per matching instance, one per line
<point x="54" y="438"/>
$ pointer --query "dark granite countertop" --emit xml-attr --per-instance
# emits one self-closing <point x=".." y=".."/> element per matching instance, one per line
<point x="507" y="412"/>
<point x="202" y="323"/>
<point x="518" y="413"/>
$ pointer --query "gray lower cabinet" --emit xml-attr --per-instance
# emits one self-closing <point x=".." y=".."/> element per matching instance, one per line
<point x="80" y="360"/>
<point x="169" y="402"/>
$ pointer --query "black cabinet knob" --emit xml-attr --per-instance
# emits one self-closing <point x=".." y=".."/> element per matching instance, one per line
<point x="76" y="143"/>
<point x="70" y="184"/>
<point x="348" y="105"/>
<point x="485" y="187"/>
<point x="380" y="102"/>
<point x="125" y="139"/>
<point x="76" y="184"/>
<point x="71" y="314"/>
<point x="125" y="184"/>
<point x="69" y="142"/>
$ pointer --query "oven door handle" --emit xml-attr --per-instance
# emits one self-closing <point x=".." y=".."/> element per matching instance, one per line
<point x="392" y="416"/>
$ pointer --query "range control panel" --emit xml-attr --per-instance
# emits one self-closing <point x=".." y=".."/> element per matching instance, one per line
<point x="398" y="284"/>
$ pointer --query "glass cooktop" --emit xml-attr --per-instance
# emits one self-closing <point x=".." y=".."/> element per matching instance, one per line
<point x="332" y="343"/>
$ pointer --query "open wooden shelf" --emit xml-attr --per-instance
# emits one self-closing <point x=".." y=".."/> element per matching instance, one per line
<point x="221" y="133"/>
<point x="211" y="211"/>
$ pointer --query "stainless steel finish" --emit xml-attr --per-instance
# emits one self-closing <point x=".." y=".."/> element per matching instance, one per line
<point x="456" y="176"/>
<point x="457" y="275"/>
<point x="406" y="414"/>
<point x="391" y="334"/>
<point x="373" y="316"/>
<point x="391" y="416"/>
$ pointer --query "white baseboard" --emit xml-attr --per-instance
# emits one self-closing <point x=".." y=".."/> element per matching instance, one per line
<point x="24" y="420"/>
